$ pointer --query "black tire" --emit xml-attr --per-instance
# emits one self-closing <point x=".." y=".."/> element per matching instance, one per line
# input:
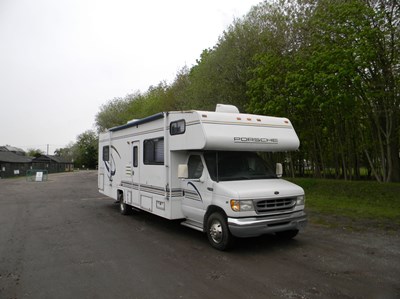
<point x="287" y="234"/>
<point x="124" y="209"/>
<point x="218" y="233"/>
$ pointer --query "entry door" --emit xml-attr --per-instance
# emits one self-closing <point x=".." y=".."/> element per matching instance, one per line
<point x="135" y="173"/>
<point x="195" y="191"/>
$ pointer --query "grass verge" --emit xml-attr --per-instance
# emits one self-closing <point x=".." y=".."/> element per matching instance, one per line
<point x="354" y="204"/>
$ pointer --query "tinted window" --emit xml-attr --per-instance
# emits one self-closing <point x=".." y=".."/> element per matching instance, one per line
<point x="195" y="167"/>
<point x="177" y="127"/>
<point x="231" y="166"/>
<point x="135" y="156"/>
<point x="154" y="151"/>
<point x="106" y="153"/>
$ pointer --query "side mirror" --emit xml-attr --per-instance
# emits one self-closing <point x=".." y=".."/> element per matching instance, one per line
<point x="183" y="171"/>
<point x="279" y="170"/>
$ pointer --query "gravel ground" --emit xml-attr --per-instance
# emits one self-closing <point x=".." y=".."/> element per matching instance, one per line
<point x="62" y="239"/>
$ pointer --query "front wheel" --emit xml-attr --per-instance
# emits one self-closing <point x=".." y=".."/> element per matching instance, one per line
<point x="218" y="233"/>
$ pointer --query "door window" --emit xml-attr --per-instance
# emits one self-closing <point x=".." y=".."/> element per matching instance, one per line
<point x="135" y="156"/>
<point x="195" y="167"/>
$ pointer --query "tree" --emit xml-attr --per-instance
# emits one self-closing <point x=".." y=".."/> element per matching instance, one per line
<point x="359" y="45"/>
<point x="32" y="152"/>
<point x="332" y="67"/>
<point x="66" y="152"/>
<point x="115" y="112"/>
<point x="222" y="72"/>
<point x="85" y="150"/>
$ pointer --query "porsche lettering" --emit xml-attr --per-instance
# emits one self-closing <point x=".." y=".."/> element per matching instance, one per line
<point x="255" y="140"/>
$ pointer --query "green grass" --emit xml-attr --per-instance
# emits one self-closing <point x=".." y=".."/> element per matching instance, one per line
<point x="359" y="203"/>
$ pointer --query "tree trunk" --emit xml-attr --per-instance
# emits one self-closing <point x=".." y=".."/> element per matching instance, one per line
<point x="395" y="150"/>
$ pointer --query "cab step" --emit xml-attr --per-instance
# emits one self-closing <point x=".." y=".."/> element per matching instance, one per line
<point x="193" y="224"/>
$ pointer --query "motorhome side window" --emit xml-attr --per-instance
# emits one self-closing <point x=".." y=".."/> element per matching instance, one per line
<point x="195" y="167"/>
<point x="153" y="151"/>
<point x="106" y="153"/>
<point x="135" y="156"/>
<point x="177" y="127"/>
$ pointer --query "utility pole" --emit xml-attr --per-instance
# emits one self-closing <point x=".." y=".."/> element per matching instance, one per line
<point x="47" y="149"/>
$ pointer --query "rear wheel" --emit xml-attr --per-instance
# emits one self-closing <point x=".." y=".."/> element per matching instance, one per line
<point x="218" y="233"/>
<point x="123" y="207"/>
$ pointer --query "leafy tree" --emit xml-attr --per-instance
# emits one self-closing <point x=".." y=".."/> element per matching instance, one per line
<point x="66" y="152"/>
<point x="115" y="112"/>
<point x="332" y="67"/>
<point x="134" y="106"/>
<point x="221" y="73"/>
<point x="358" y="53"/>
<point x="32" y="152"/>
<point x="85" y="150"/>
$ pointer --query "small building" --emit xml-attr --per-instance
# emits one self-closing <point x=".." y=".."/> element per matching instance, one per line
<point x="12" y="164"/>
<point x="12" y="149"/>
<point x="52" y="164"/>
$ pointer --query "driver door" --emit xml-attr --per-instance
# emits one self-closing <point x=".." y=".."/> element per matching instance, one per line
<point x="195" y="191"/>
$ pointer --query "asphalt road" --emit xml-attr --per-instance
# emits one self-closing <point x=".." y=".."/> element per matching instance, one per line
<point x="62" y="239"/>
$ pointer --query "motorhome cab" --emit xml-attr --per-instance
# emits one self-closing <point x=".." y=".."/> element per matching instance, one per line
<point x="204" y="168"/>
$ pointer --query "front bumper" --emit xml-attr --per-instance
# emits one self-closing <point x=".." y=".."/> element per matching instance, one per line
<point x="257" y="226"/>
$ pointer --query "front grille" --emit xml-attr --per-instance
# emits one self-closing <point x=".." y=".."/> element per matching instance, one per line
<point x="275" y="204"/>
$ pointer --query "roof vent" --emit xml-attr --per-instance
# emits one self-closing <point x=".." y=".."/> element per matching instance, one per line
<point x="226" y="108"/>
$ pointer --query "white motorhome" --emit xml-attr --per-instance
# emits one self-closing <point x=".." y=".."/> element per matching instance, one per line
<point x="203" y="167"/>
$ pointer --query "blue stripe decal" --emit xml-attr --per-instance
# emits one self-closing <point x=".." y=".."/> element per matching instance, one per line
<point x="198" y="193"/>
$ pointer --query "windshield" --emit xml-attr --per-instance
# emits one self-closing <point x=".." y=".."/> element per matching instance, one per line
<point x="232" y="166"/>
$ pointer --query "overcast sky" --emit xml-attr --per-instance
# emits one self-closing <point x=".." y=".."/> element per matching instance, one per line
<point x="60" y="60"/>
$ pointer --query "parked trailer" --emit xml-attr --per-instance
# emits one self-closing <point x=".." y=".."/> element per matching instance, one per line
<point x="203" y="167"/>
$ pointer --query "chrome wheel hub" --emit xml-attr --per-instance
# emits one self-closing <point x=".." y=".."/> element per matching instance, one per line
<point x="216" y="231"/>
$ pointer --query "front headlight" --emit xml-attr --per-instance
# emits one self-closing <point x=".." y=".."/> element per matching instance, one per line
<point x="242" y="205"/>
<point x="301" y="200"/>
